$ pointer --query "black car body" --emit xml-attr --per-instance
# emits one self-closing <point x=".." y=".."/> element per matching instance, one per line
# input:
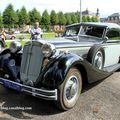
<point x="54" y="69"/>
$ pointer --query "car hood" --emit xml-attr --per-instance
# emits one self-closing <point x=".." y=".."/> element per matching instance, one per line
<point x="64" y="42"/>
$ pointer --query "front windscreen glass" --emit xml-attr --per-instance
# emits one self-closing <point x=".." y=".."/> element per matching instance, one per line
<point x="93" y="31"/>
<point x="72" y="31"/>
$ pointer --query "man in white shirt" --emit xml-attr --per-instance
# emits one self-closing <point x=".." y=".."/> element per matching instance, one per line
<point x="36" y="32"/>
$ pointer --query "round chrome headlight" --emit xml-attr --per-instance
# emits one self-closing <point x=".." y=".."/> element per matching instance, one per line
<point x="48" y="50"/>
<point x="15" y="46"/>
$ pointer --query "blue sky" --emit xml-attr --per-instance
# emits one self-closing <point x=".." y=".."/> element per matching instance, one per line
<point x="106" y="7"/>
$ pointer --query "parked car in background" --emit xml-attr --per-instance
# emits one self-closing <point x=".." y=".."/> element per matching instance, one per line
<point x="56" y="69"/>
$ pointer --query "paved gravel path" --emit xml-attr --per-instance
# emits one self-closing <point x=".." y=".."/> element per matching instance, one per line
<point x="99" y="101"/>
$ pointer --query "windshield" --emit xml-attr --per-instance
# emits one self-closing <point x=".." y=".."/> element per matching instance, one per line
<point x="72" y="31"/>
<point x="94" y="31"/>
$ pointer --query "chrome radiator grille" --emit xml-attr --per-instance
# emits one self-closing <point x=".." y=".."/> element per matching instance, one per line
<point x="31" y="62"/>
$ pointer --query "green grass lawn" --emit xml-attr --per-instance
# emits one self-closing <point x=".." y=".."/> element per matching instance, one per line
<point x="49" y="35"/>
<point x="8" y="43"/>
<point x="27" y="36"/>
<point x="45" y="35"/>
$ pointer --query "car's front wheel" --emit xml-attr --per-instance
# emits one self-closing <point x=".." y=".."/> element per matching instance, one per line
<point x="69" y="91"/>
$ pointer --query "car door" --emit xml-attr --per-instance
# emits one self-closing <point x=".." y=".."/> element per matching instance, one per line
<point x="112" y="47"/>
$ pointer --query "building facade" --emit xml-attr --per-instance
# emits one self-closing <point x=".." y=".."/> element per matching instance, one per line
<point x="91" y="14"/>
<point x="114" y="18"/>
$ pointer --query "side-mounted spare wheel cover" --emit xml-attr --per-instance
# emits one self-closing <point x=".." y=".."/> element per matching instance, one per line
<point x="96" y="56"/>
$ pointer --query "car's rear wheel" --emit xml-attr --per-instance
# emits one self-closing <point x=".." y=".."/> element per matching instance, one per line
<point x="69" y="91"/>
<point x="96" y="56"/>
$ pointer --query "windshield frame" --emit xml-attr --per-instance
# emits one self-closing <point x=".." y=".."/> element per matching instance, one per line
<point x="103" y="34"/>
<point x="71" y="27"/>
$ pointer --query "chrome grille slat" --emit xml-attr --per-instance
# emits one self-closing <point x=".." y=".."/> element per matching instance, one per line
<point x="31" y="62"/>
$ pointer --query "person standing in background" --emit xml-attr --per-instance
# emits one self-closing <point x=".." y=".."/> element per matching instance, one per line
<point x="36" y="32"/>
<point x="3" y="37"/>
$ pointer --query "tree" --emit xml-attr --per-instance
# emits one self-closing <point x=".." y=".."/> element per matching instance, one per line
<point x="10" y="18"/>
<point x="78" y="16"/>
<point x="96" y="19"/>
<point x="61" y="18"/>
<point x="1" y="21"/>
<point x="84" y="19"/>
<point x="34" y="15"/>
<point x="45" y="20"/>
<point x="53" y="18"/>
<point x="93" y="19"/>
<point x="88" y="19"/>
<point x="23" y="16"/>
<point x="17" y="13"/>
<point x="74" y="18"/>
<point x="68" y="19"/>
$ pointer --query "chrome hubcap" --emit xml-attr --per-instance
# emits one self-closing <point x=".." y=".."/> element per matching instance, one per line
<point x="71" y="88"/>
<point x="98" y="61"/>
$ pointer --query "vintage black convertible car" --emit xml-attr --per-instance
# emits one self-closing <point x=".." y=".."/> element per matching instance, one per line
<point x="55" y="69"/>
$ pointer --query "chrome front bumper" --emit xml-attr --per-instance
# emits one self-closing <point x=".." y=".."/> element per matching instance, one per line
<point x="41" y="93"/>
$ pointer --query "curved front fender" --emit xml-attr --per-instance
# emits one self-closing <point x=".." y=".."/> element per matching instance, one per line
<point x="55" y="73"/>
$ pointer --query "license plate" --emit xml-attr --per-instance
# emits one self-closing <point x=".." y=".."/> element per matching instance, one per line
<point x="12" y="85"/>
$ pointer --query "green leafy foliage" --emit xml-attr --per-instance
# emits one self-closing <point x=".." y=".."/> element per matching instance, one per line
<point x="53" y="18"/>
<point x="34" y="15"/>
<point x="62" y="19"/>
<point x="77" y="14"/>
<point x="23" y="16"/>
<point x="20" y="17"/>
<point x="94" y="19"/>
<point x="74" y="18"/>
<point x="68" y="19"/>
<point x="88" y="19"/>
<point x="84" y="19"/>
<point x="1" y="21"/>
<point x="45" y="20"/>
<point x="10" y="17"/>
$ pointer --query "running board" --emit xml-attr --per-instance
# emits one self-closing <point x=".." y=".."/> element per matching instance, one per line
<point x="112" y="68"/>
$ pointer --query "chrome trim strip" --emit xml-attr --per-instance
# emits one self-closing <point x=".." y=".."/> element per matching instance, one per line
<point x="39" y="89"/>
<point x="47" y="94"/>
<point x="44" y="96"/>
